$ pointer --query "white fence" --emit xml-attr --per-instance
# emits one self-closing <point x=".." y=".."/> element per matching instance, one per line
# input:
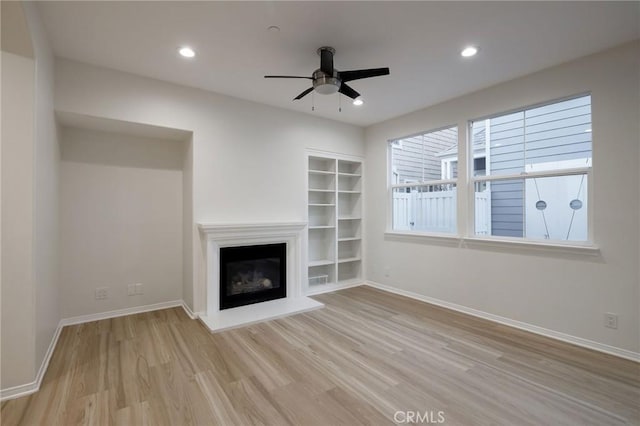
<point x="436" y="211"/>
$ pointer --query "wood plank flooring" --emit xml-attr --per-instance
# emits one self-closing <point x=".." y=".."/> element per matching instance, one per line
<point x="365" y="356"/>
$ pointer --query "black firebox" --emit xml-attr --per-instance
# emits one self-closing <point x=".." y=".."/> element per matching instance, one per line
<point x="252" y="274"/>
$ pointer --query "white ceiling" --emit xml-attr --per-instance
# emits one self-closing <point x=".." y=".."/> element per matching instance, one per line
<point x="419" y="41"/>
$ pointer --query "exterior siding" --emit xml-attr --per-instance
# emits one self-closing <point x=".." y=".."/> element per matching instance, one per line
<point x="415" y="159"/>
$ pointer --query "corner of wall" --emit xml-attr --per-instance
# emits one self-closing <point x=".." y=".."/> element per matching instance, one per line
<point x="45" y="190"/>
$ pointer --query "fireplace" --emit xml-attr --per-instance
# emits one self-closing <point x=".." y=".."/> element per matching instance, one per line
<point x="227" y="240"/>
<point x="252" y="274"/>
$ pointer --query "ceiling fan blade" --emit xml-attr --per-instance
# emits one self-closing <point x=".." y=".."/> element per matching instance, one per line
<point x="326" y="61"/>
<point x="358" y="74"/>
<point x="303" y="94"/>
<point x="348" y="91"/>
<point x="286" y="76"/>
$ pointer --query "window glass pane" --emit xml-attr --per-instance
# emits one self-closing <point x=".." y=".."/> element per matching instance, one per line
<point x="549" y="208"/>
<point x="550" y="137"/>
<point x="425" y="157"/>
<point x="430" y="208"/>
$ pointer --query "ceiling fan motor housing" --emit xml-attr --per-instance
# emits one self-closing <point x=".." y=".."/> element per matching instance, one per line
<point x="326" y="84"/>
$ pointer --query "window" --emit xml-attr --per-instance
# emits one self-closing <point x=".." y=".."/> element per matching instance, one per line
<point x="535" y="172"/>
<point x="528" y="176"/>
<point x="423" y="181"/>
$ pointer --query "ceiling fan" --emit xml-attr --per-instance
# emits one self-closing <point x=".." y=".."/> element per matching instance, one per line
<point x="328" y="80"/>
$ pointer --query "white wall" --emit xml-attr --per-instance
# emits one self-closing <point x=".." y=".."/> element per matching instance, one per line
<point x="120" y="220"/>
<point x="30" y="312"/>
<point x="248" y="159"/>
<point x="18" y="317"/>
<point x="45" y="191"/>
<point x="188" y="231"/>
<point x="14" y="31"/>
<point x="568" y="294"/>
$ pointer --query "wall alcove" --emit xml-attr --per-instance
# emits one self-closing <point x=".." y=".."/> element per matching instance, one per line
<point x="125" y="213"/>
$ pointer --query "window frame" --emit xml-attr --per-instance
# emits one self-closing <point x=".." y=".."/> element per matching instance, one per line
<point x="466" y="236"/>
<point x="524" y="176"/>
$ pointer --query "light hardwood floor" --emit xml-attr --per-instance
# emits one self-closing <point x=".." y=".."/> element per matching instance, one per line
<point x="363" y="357"/>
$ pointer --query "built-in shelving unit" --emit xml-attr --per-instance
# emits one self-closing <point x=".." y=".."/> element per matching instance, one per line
<point x="335" y="222"/>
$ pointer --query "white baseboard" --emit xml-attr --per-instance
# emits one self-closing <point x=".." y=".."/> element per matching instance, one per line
<point x="48" y="355"/>
<point x="18" y="391"/>
<point x="578" y="341"/>
<point x="188" y="311"/>
<point x="120" y="312"/>
<point x="32" y="387"/>
<point x="29" y="388"/>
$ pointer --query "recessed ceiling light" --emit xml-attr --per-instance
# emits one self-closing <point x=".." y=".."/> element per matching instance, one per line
<point x="358" y="102"/>
<point x="469" y="51"/>
<point x="273" y="29"/>
<point x="187" y="52"/>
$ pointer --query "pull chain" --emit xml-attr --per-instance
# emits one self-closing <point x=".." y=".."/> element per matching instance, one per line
<point x="313" y="101"/>
<point x="339" y="103"/>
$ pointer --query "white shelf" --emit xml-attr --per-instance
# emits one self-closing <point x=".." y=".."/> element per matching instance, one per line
<point x="334" y="183"/>
<point x="328" y="287"/>
<point x="350" y="281"/>
<point x="318" y="285"/>
<point x="320" y="262"/>
<point x="321" y="172"/>
<point x="349" y="259"/>
<point x="351" y="167"/>
<point x="321" y="164"/>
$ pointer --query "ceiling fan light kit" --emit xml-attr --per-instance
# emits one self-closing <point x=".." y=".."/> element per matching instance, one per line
<point x="327" y="80"/>
<point x="324" y="84"/>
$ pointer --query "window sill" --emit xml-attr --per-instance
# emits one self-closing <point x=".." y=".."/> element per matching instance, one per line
<point x="496" y="243"/>
<point x="448" y="239"/>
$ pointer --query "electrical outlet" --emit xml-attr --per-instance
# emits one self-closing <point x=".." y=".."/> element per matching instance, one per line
<point x="131" y="289"/>
<point x="102" y="293"/>
<point x="610" y="320"/>
<point x="139" y="288"/>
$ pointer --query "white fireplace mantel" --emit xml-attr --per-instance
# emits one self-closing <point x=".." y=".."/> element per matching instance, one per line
<point x="246" y="234"/>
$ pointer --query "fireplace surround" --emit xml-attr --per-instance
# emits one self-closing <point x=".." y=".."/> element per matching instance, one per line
<point x="218" y="237"/>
